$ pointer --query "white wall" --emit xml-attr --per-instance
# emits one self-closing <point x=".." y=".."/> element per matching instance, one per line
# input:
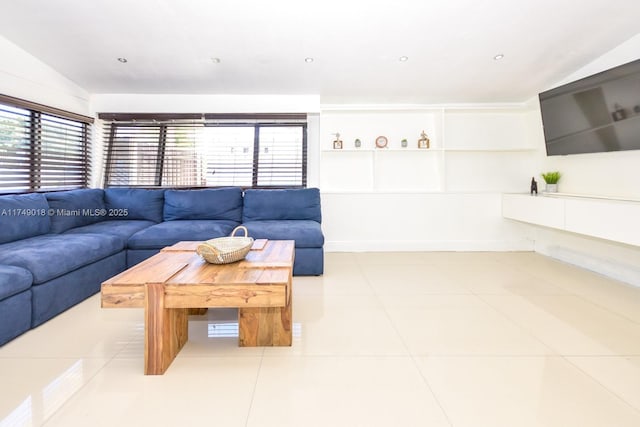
<point x="615" y="174"/>
<point x="24" y="76"/>
<point x="175" y="103"/>
<point x="393" y="221"/>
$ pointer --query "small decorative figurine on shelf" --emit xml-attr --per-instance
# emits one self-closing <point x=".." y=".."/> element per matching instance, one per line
<point x="404" y="143"/>
<point x="534" y="186"/>
<point x="423" y="142"/>
<point x="357" y="143"/>
<point x="618" y="113"/>
<point x="337" y="144"/>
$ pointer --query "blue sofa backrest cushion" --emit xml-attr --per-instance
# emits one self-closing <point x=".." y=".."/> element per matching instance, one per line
<point x="211" y="203"/>
<point x="23" y="216"/>
<point x="301" y="204"/>
<point x="75" y="208"/>
<point x="134" y="203"/>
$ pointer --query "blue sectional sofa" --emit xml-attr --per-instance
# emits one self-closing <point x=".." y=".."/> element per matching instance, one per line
<point x="57" y="248"/>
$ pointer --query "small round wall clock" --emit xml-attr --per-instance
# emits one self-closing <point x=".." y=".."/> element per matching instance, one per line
<point x="381" y="142"/>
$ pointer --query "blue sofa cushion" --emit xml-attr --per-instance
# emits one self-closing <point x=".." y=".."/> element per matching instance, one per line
<point x="13" y="280"/>
<point x="53" y="255"/>
<point x="75" y="208"/>
<point x="300" y="204"/>
<point x="218" y="203"/>
<point x="134" y="203"/>
<point x="306" y="233"/>
<point x="23" y="216"/>
<point x="172" y="232"/>
<point x="122" y="228"/>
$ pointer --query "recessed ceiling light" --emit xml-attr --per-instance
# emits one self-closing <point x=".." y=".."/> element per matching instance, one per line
<point x="123" y="60"/>
<point x="308" y="60"/>
<point x="403" y="58"/>
<point x="215" y="60"/>
<point x="498" y="57"/>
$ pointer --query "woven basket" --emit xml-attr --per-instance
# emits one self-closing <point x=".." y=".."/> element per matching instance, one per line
<point x="225" y="250"/>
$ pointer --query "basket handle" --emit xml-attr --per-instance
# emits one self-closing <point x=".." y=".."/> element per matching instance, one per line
<point x="211" y="248"/>
<point x="240" y="227"/>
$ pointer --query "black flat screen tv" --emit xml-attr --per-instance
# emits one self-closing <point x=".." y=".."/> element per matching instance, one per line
<point x="595" y="114"/>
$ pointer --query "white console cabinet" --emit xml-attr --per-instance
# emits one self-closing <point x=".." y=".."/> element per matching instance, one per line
<point x="604" y="218"/>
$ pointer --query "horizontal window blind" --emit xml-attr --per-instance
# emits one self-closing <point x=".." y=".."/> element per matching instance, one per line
<point x="229" y="154"/>
<point x="132" y="155"/>
<point x="281" y="158"/>
<point x="64" y="159"/>
<point x="15" y="150"/>
<point x="216" y="151"/>
<point x="42" y="151"/>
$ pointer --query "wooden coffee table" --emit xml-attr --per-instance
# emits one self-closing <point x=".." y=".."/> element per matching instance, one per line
<point x="176" y="282"/>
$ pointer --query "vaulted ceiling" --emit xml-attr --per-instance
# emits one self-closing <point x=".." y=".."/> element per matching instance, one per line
<point x="356" y="47"/>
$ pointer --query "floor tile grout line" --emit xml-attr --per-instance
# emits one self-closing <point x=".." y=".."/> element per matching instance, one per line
<point x="521" y="327"/>
<point x="609" y="390"/>
<point x="588" y="299"/>
<point x="579" y="297"/>
<point x="253" y="392"/>
<point x="564" y="291"/>
<point x="433" y="393"/>
<point x="607" y="309"/>
<point x="406" y="347"/>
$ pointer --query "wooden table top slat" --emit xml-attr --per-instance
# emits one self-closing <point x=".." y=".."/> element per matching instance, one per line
<point x="179" y="264"/>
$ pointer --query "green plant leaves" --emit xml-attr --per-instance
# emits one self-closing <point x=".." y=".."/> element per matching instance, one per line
<point x="551" y="177"/>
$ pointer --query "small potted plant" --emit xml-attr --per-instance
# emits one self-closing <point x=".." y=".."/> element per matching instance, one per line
<point x="551" y="178"/>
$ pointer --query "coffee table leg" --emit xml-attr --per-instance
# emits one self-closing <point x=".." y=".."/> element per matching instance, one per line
<point x="166" y="330"/>
<point x="268" y="326"/>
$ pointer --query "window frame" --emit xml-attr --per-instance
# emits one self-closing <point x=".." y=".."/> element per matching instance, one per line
<point x="163" y="121"/>
<point x="39" y="119"/>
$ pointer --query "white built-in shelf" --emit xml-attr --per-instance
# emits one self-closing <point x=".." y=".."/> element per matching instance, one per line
<point x="437" y="150"/>
<point x="595" y="216"/>
<point x="380" y="150"/>
<point x="473" y="149"/>
<point x="490" y="150"/>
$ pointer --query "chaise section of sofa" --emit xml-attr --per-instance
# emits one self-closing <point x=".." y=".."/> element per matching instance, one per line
<point x="15" y="301"/>
<point x="21" y="217"/>
<point x="293" y="214"/>
<point x="63" y="269"/>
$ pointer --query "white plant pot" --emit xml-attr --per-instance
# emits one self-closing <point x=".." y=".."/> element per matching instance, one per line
<point x="551" y="188"/>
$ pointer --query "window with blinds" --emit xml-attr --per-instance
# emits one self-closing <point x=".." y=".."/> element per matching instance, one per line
<point x="178" y="151"/>
<point x="41" y="148"/>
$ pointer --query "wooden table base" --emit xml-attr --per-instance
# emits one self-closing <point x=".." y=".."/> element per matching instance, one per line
<point x="269" y="326"/>
<point x="166" y="330"/>
<point x="177" y="283"/>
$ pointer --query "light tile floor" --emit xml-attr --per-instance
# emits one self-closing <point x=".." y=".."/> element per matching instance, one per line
<point x="382" y="339"/>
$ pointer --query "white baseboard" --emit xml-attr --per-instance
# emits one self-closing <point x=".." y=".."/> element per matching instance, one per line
<point x="429" y="246"/>
<point x="617" y="269"/>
